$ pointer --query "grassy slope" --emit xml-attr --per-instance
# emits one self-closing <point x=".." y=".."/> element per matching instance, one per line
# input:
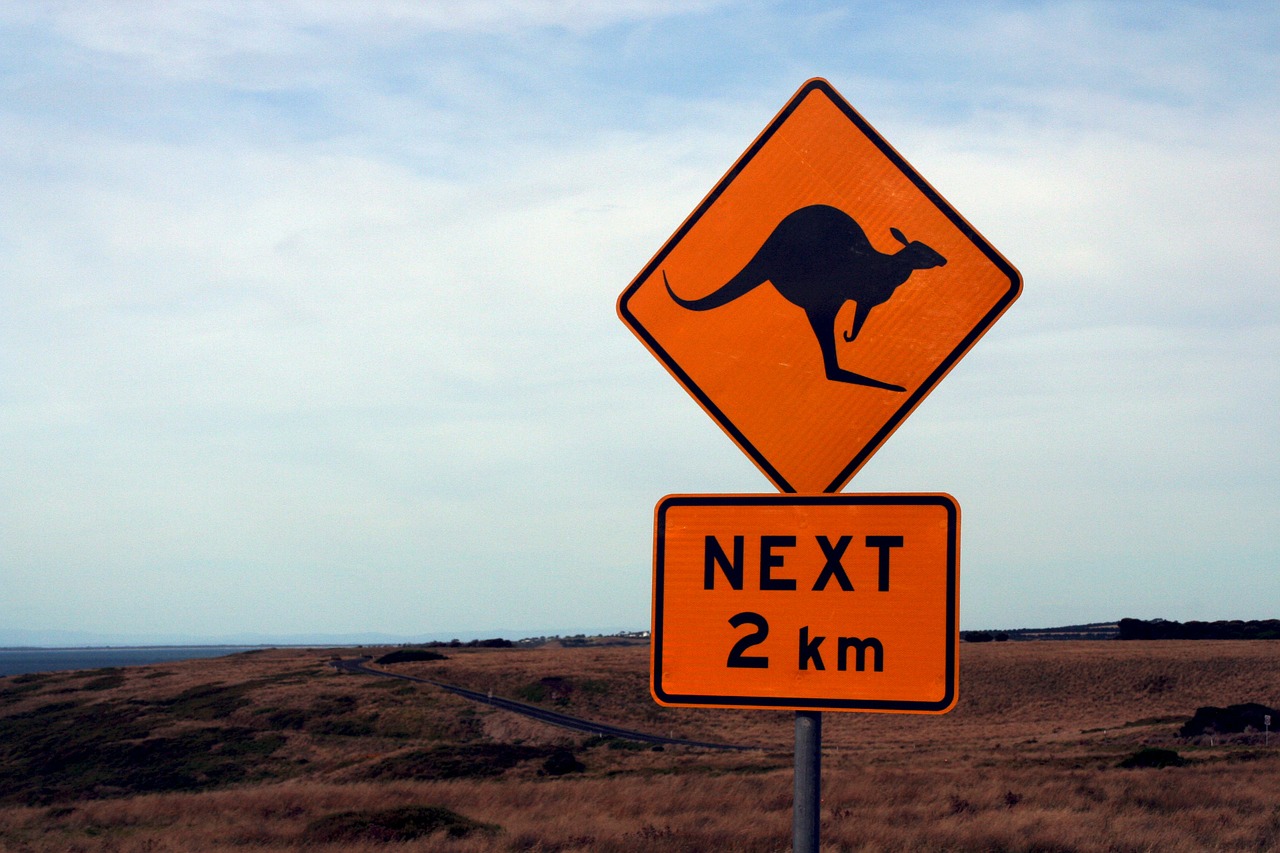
<point x="259" y="750"/>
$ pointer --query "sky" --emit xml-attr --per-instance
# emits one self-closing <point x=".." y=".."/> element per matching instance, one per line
<point x="307" y="310"/>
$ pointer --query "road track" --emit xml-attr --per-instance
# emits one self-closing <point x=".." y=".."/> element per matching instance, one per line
<point x="360" y="665"/>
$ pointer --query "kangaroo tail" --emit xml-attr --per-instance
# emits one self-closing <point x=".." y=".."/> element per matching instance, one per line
<point x="738" y="285"/>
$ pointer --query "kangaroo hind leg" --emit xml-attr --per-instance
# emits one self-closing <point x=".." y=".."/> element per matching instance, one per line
<point x="823" y="322"/>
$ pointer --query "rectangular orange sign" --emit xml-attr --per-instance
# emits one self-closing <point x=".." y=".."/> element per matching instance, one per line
<point x="842" y="602"/>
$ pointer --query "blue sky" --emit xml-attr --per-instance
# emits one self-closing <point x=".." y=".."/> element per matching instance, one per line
<point x="307" y="310"/>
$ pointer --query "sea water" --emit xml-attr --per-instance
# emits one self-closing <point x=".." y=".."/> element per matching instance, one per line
<point x="24" y="660"/>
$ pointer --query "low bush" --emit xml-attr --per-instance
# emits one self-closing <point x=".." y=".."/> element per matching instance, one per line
<point x="343" y="727"/>
<point x="287" y="718"/>
<point x="17" y="687"/>
<point x="68" y="752"/>
<point x="562" y="761"/>
<point x="334" y="704"/>
<point x="1228" y="720"/>
<point x="553" y="688"/>
<point x="207" y="701"/>
<point x="1154" y="757"/>
<point x="105" y="682"/>
<point x="611" y="742"/>
<point x="391" y="825"/>
<point x="457" y="761"/>
<point x="30" y="678"/>
<point x="410" y="656"/>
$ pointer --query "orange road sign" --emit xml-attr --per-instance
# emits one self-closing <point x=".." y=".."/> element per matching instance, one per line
<point x="817" y="294"/>
<point x="807" y="602"/>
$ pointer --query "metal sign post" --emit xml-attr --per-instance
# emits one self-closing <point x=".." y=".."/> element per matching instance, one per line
<point x="806" y="810"/>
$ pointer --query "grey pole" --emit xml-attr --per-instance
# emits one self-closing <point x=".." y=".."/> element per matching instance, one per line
<point x="806" y="809"/>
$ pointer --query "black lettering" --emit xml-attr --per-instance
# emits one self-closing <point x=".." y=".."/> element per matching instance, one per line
<point x="736" y="657"/>
<point x="884" y="543"/>
<point x="714" y="555"/>
<point x="860" y="648"/>
<point x="809" y="650"/>
<point x="833" y="569"/>
<point x="770" y="561"/>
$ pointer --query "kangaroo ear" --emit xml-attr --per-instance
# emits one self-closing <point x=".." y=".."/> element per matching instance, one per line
<point x="897" y="235"/>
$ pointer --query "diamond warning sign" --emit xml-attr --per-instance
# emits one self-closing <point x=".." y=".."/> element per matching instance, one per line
<point x="817" y="294"/>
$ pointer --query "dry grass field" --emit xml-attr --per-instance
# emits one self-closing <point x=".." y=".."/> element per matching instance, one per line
<point x="276" y="750"/>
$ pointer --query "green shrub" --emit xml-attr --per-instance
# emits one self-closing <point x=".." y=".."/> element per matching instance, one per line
<point x="410" y="655"/>
<point x="343" y="726"/>
<point x="562" y="761"/>
<point x="287" y="718"/>
<point x="106" y="682"/>
<point x="207" y="701"/>
<point x="330" y="706"/>
<point x="1231" y="719"/>
<point x="1154" y="757"/>
<point x="31" y="678"/>
<point x="68" y="751"/>
<point x="553" y="688"/>
<point x="17" y="687"/>
<point x="611" y="742"/>
<point x="535" y="692"/>
<point x="456" y="761"/>
<point x="391" y="825"/>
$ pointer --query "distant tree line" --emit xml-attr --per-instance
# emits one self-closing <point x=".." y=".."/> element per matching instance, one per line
<point x="1234" y="629"/>
<point x="1091" y="631"/>
<point x="984" y="636"/>
<point x="496" y="643"/>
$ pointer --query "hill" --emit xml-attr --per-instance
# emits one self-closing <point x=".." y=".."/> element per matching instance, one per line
<point x="277" y="750"/>
<point x="1233" y="629"/>
<point x="1090" y="631"/>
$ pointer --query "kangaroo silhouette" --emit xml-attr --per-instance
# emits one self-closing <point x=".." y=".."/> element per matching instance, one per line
<point x="819" y="258"/>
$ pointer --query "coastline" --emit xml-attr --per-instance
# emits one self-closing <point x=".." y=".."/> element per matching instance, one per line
<point x="27" y="660"/>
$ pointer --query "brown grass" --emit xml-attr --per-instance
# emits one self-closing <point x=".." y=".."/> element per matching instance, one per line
<point x="1027" y="762"/>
